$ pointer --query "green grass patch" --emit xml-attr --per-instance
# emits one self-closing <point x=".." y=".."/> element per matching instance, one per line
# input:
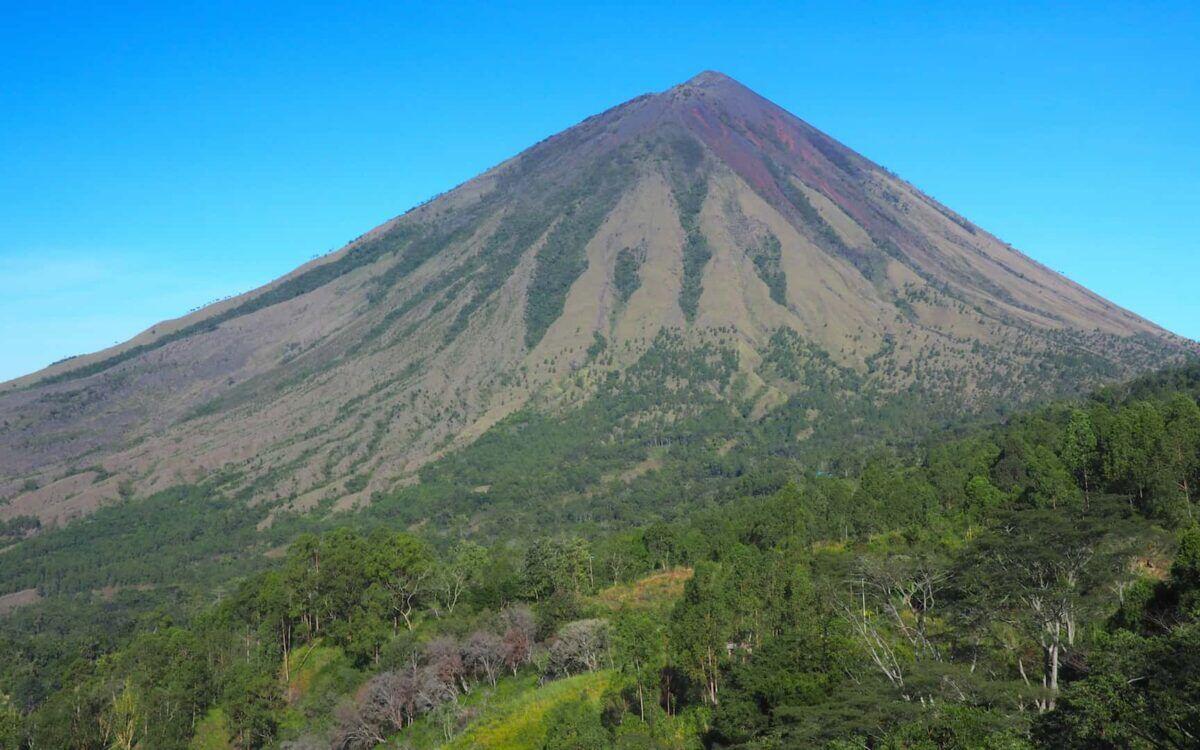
<point x="319" y="677"/>
<point x="513" y="719"/>
<point x="212" y="733"/>
<point x="306" y="667"/>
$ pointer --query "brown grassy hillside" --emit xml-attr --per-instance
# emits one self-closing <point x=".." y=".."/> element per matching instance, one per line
<point x="705" y="211"/>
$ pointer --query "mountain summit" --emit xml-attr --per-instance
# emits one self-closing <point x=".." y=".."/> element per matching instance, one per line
<point x="689" y="256"/>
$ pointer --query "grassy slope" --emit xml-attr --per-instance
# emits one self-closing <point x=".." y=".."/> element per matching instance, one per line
<point x="511" y="717"/>
<point x="655" y="592"/>
<point x="212" y="733"/>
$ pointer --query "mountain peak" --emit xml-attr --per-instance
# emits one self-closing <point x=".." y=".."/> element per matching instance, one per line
<point x="708" y="77"/>
<point x="715" y="84"/>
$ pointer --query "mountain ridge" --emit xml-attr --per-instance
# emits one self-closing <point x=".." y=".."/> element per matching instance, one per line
<point x="736" y="225"/>
<point x="706" y="78"/>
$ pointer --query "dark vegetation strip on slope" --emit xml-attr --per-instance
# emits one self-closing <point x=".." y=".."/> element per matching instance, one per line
<point x="562" y="259"/>
<point x="517" y="232"/>
<point x="577" y="208"/>
<point x="359" y="255"/>
<point x="689" y="186"/>
<point x="869" y="262"/>
<point x="627" y="277"/>
<point x="696" y="251"/>
<point x="767" y="257"/>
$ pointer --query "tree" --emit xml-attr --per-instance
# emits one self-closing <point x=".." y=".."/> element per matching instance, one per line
<point x="390" y="699"/>
<point x="446" y="715"/>
<point x="1181" y="447"/>
<point x="252" y="701"/>
<point x="483" y="653"/>
<point x="894" y="601"/>
<point x="405" y="565"/>
<point x="1185" y="569"/>
<point x="982" y="497"/>
<point x="622" y="554"/>
<point x="579" y="646"/>
<point x="520" y="630"/>
<point x="780" y="682"/>
<point x="1050" y="483"/>
<point x="1034" y="569"/>
<point x="445" y="658"/>
<point x="467" y="563"/>
<point x="1130" y="445"/>
<point x="1080" y="448"/>
<point x="661" y="544"/>
<point x="1141" y="688"/>
<point x="557" y="566"/>
<point x="68" y="720"/>
<point x="700" y="629"/>
<point x="300" y="575"/>
<point x="356" y="729"/>
<point x="275" y="611"/>
<point x="347" y="568"/>
<point x="638" y="641"/>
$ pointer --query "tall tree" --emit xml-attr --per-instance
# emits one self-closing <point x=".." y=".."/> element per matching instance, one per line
<point x="1080" y="448"/>
<point x="1034" y="569"/>
<point x="1181" y="448"/>
<point x="405" y="565"/>
<point x="701" y="627"/>
<point x="466" y="565"/>
<point x="640" y="642"/>
<point x="1130" y="448"/>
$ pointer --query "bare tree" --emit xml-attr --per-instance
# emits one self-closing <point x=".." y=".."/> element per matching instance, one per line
<point x="1033" y="572"/>
<point x="519" y="634"/>
<point x="905" y="591"/>
<point x="1052" y="599"/>
<point x="355" y="730"/>
<point x="484" y="654"/>
<point x="867" y="627"/>
<point x="391" y="698"/>
<point x="579" y="646"/>
<point x="432" y="689"/>
<point x="444" y="657"/>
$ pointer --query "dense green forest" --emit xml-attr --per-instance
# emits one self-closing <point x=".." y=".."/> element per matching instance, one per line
<point x="1035" y="584"/>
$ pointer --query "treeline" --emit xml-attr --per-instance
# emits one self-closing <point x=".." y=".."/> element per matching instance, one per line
<point x="429" y="627"/>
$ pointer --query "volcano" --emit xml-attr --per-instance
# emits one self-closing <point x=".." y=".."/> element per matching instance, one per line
<point x="687" y="253"/>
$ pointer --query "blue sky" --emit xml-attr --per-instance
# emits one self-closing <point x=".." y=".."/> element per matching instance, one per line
<point x="155" y="158"/>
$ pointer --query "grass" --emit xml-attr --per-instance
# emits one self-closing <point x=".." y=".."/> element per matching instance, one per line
<point x="212" y="733"/>
<point x="510" y="716"/>
<point x="306" y="665"/>
<point x="657" y="591"/>
<point x="320" y="677"/>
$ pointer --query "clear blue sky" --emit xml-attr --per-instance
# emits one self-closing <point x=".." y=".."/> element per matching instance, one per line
<point x="156" y="156"/>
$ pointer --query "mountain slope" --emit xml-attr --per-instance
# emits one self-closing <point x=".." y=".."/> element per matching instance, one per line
<point x="698" y="248"/>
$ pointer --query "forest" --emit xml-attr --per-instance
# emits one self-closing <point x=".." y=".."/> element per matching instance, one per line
<point x="1029" y="585"/>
